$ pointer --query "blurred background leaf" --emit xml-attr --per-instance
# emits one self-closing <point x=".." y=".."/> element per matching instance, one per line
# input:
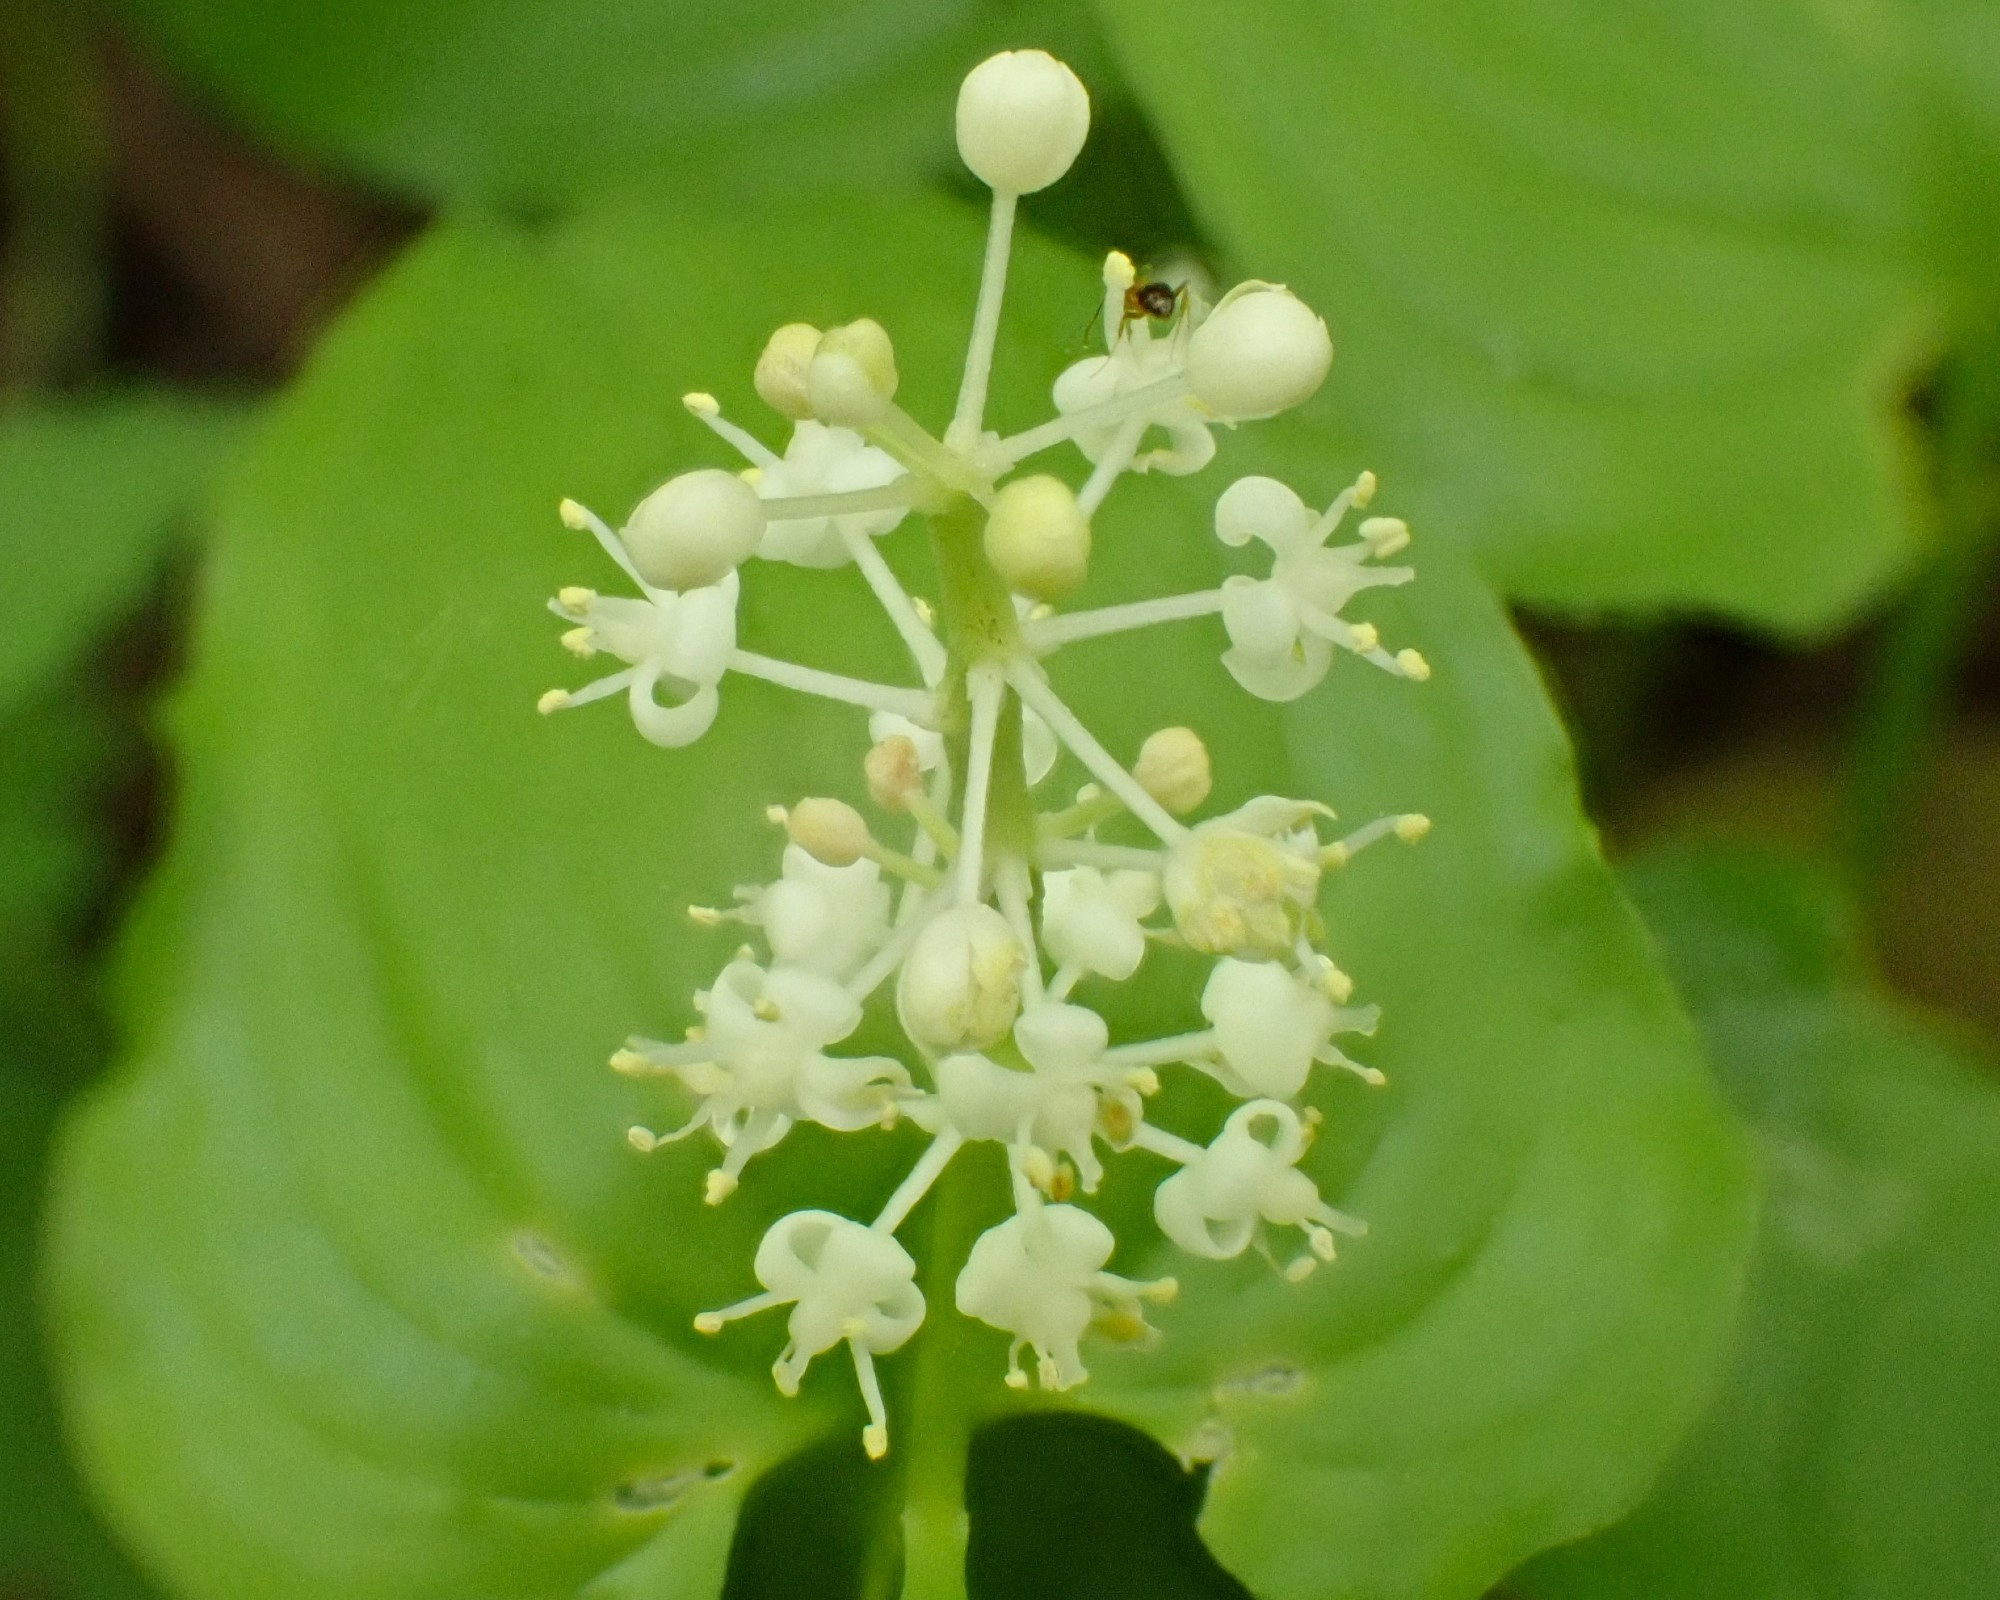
<point x="1850" y="1456"/>
<point x="541" y="102"/>
<point x="1629" y="297"/>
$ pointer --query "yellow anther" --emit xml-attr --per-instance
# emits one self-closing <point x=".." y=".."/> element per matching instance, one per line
<point x="629" y="1062"/>
<point x="1364" y="490"/>
<point x="1062" y="1183"/>
<point x="766" y="1010"/>
<point x="875" y="1441"/>
<point x="574" y="597"/>
<point x="1414" y="665"/>
<point x="1300" y="1270"/>
<point x="718" y="1187"/>
<point x="1365" y="636"/>
<point x="1334" y="855"/>
<point x="573" y="516"/>
<point x="922" y="607"/>
<point x="702" y="404"/>
<point x="1161" y="1291"/>
<point x="705" y="916"/>
<point x="1338" y="985"/>
<point x="709" y="1322"/>
<point x="554" y="700"/>
<point x="1412" y="827"/>
<point x="580" y="642"/>
<point x="775" y="815"/>
<point x="643" y="1140"/>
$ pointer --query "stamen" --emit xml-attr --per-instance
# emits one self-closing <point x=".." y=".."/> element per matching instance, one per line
<point x="715" y="1321"/>
<point x="916" y="704"/>
<point x="748" y="445"/>
<point x="616" y="683"/>
<point x="897" y="495"/>
<point x="1034" y="691"/>
<point x="917" y="912"/>
<point x="1163" y="1143"/>
<point x="1408" y="827"/>
<point x="1093" y="806"/>
<point x="1089" y="853"/>
<point x="1011" y="884"/>
<point x="1180" y="1048"/>
<point x="874" y="1437"/>
<point x="582" y="517"/>
<point x="1124" y="445"/>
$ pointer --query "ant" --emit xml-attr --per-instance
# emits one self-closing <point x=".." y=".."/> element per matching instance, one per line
<point x="1148" y="300"/>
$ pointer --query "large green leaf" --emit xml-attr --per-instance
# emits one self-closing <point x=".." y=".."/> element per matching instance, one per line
<point x="361" y="1288"/>
<point x="539" y="100"/>
<point x="1850" y="1456"/>
<point x="1624" y="293"/>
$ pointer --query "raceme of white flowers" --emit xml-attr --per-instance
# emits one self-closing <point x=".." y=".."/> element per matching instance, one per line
<point x="990" y="911"/>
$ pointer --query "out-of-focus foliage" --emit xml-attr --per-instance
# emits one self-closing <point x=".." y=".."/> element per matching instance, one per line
<point x="90" y="496"/>
<point x="541" y="101"/>
<point x="1632" y="297"/>
<point x="1851" y="1454"/>
<point x="361" y="1290"/>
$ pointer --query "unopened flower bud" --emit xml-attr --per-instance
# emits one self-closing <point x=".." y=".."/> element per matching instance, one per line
<point x="781" y="370"/>
<point x="852" y="376"/>
<point x="1022" y="118"/>
<point x="894" y="771"/>
<point x="832" y="832"/>
<point x="1038" y="538"/>
<point x="694" y="530"/>
<point x="1261" y="351"/>
<point x="1173" y="768"/>
<point x="961" y="982"/>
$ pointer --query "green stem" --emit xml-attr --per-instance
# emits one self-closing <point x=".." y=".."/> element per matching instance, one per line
<point x="1905" y="698"/>
<point x="57" y="152"/>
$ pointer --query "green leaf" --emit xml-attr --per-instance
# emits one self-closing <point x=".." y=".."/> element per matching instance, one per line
<point x="90" y="490"/>
<point x="493" y="99"/>
<point x="1851" y="1452"/>
<point x="362" y="1290"/>
<point x="1624" y="296"/>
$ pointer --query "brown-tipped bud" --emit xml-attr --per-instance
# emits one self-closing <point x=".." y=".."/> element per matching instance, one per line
<point x="781" y="370"/>
<point x="1173" y="768"/>
<point x="893" y="772"/>
<point x="830" y="831"/>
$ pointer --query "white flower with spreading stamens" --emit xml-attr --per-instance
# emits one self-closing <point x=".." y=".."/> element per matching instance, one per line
<point x="843" y="1282"/>
<point x="1040" y="1276"/>
<point x="975" y="908"/>
<point x="1283" y="629"/>
<point x="1272" y="1024"/>
<point x="1136" y="362"/>
<point x="759" y="1064"/>
<point x="1222" y="1197"/>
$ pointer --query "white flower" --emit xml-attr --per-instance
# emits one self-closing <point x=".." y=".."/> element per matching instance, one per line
<point x="676" y="642"/>
<point x="1259" y="352"/>
<point x="1283" y="628"/>
<point x="1248" y="1176"/>
<point x="961" y="982"/>
<point x="843" y="1282"/>
<point x="1054" y="1108"/>
<point x="1092" y="920"/>
<point x="827" y="920"/>
<point x="1245" y="883"/>
<point x="824" y="460"/>
<point x="1135" y="360"/>
<point x="1022" y="118"/>
<point x="758" y="1062"/>
<point x="1272" y="1024"/>
<point x="1040" y="1276"/>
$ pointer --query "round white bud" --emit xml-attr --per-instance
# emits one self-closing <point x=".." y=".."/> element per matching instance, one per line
<point x="1259" y="352"/>
<point x="1038" y="538"/>
<point x="832" y="832"/>
<point x="781" y="370"/>
<point x="1022" y="118"/>
<point x="961" y="983"/>
<point x="852" y="376"/>
<point x="1173" y="768"/>
<point x="695" y="529"/>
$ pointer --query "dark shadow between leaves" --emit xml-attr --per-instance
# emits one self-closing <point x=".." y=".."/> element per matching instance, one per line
<point x="1074" y="1507"/>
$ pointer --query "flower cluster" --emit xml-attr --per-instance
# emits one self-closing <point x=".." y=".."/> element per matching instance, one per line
<point x="989" y="912"/>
